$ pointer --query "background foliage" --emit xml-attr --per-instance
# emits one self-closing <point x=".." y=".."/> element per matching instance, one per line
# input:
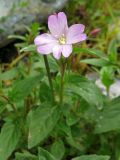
<point x="86" y="126"/>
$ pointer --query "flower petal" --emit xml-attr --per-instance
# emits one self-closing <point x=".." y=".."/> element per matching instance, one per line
<point x="45" y="48"/>
<point x="66" y="50"/>
<point x="44" y="39"/>
<point x="62" y="19"/>
<point x="57" y="24"/>
<point x="75" y="34"/>
<point x="57" y="51"/>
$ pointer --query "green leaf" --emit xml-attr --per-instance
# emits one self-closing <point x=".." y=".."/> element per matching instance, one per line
<point x="75" y="143"/>
<point x="45" y="96"/>
<point x="23" y="88"/>
<point x="58" y="149"/>
<point x="9" y="138"/>
<point x="92" y="157"/>
<point x="96" y="62"/>
<point x="71" y="118"/>
<point x="84" y="88"/>
<point x="30" y="48"/>
<point x="62" y="127"/>
<point x="25" y="156"/>
<point x="112" y="51"/>
<point x="107" y="76"/>
<point x="2" y="106"/>
<point x="54" y="67"/>
<point x="45" y="155"/>
<point x="17" y="37"/>
<point x="10" y="74"/>
<point x="35" y="28"/>
<point x="41" y="122"/>
<point x="91" y="51"/>
<point x="109" y="118"/>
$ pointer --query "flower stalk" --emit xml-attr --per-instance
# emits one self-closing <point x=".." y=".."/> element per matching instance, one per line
<point x="49" y="77"/>
<point x="63" y="67"/>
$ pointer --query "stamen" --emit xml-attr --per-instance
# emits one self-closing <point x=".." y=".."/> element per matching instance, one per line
<point x="62" y="39"/>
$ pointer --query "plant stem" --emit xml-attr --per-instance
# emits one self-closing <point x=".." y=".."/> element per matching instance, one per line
<point x="63" y="66"/>
<point x="49" y="77"/>
<point x="108" y="91"/>
<point x="12" y="105"/>
<point x="18" y="59"/>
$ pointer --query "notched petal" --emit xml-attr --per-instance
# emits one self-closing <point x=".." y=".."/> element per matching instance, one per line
<point x="75" y="34"/>
<point x="57" y="24"/>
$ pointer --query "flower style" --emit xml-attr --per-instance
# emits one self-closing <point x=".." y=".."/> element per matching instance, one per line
<point x="60" y="40"/>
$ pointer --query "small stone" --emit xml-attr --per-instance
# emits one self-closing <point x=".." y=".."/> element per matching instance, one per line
<point x="114" y="88"/>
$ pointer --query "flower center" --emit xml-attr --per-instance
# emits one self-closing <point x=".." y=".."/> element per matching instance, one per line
<point x="62" y="39"/>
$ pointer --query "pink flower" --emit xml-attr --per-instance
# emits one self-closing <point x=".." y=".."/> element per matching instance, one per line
<point x="61" y="38"/>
